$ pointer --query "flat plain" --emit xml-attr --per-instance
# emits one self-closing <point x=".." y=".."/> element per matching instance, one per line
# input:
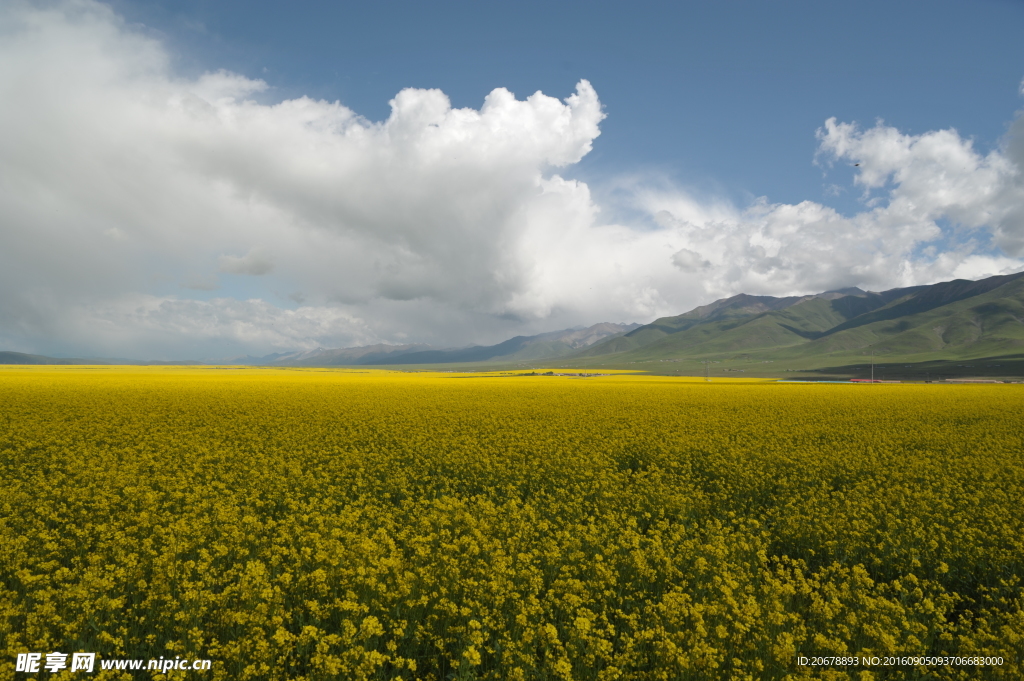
<point x="324" y="524"/>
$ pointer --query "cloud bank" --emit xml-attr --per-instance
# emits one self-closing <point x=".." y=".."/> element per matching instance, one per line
<point x="147" y="214"/>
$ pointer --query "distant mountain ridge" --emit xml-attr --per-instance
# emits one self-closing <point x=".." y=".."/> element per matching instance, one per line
<point x="519" y="348"/>
<point x="11" y="357"/>
<point x="333" y="357"/>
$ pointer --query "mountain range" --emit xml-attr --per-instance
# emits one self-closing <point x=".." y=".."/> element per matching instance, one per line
<point x="922" y="325"/>
<point x="948" y="320"/>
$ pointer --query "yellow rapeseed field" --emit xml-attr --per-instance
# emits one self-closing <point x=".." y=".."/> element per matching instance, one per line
<point x="320" y="524"/>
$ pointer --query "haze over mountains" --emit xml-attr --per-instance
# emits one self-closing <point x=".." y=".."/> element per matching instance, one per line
<point x="543" y="346"/>
<point x="951" y="320"/>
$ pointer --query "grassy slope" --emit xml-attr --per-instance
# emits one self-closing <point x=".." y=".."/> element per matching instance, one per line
<point x="955" y="319"/>
<point x="724" y="313"/>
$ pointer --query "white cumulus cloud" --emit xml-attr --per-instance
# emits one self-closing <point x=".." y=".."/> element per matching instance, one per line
<point x="128" y="193"/>
<point x="937" y="175"/>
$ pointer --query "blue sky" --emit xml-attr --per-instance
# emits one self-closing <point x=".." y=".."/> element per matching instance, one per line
<point x="723" y="96"/>
<point x="178" y="182"/>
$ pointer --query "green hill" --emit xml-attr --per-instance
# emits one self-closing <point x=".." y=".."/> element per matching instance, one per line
<point x="949" y="320"/>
